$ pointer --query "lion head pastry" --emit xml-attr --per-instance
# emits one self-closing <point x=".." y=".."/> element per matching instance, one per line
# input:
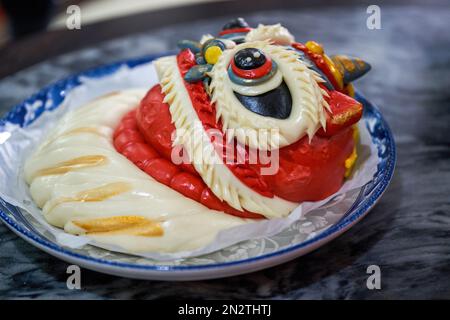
<point x="256" y="89"/>
<point x="248" y="123"/>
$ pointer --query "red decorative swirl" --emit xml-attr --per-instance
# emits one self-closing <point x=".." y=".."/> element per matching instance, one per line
<point x="252" y="73"/>
<point x="236" y="30"/>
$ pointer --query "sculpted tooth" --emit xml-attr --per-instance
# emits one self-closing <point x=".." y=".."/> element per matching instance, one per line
<point x="218" y="115"/>
<point x="197" y="148"/>
<point x="309" y="93"/>
<point x="240" y="135"/>
<point x="180" y="122"/>
<point x="168" y="98"/>
<point x="230" y="136"/>
<point x="310" y="132"/>
<point x="209" y="175"/>
<point x="323" y="121"/>
<point x="224" y="123"/>
<point x="312" y="115"/>
<point x="304" y="86"/>
<point x="252" y="135"/>
<point x="299" y="67"/>
<point x="250" y="204"/>
<point x="177" y="141"/>
<point x="319" y="80"/>
<point x="216" y="189"/>
<point x="170" y="86"/>
<point x="324" y="93"/>
<point x="326" y="105"/>
<point x="235" y="197"/>
<point x="309" y="100"/>
<point x="315" y="73"/>
<point x="234" y="202"/>
<point x="304" y="81"/>
<point x="175" y="109"/>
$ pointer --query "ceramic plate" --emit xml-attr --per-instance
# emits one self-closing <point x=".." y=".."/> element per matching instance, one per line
<point x="314" y="230"/>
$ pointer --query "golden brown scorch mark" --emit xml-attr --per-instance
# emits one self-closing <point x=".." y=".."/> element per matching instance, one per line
<point x="345" y="116"/>
<point x="96" y="194"/>
<point x="84" y="130"/>
<point x="73" y="164"/>
<point x="346" y="63"/>
<point x="107" y="95"/>
<point x="75" y="131"/>
<point x="129" y="225"/>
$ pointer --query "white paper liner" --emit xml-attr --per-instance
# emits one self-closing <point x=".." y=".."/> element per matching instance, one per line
<point x="17" y="143"/>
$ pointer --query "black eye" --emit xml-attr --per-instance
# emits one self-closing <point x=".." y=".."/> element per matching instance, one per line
<point x="251" y="67"/>
<point x="249" y="58"/>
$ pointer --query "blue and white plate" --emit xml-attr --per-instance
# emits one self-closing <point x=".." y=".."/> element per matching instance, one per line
<point x="313" y="231"/>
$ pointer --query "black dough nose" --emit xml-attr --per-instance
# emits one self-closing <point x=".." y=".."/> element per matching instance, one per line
<point x="276" y="103"/>
<point x="249" y="58"/>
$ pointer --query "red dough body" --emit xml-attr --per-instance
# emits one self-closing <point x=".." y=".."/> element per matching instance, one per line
<point x="312" y="171"/>
<point x="307" y="171"/>
<point x="129" y="141"/>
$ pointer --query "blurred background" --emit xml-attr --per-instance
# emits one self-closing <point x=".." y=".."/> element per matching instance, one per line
<point x="19" y="18"/>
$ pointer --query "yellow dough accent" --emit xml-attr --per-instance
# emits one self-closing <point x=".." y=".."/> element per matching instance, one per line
<point x="351" y="160"/>
<point x="350" y="90"/>
<point x="212" y="54"/>
<point x="336" y="73"/>
<point x="77" y="163"/>
<point x="97" y="194"/>
<point x="317" y="48"/>
<point x="314" y="47"/>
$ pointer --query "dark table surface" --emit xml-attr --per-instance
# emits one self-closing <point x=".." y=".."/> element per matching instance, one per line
<point x="407" y="234"/>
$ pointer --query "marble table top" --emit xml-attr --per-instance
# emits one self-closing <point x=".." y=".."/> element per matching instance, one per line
<point x="407" y="234"/>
